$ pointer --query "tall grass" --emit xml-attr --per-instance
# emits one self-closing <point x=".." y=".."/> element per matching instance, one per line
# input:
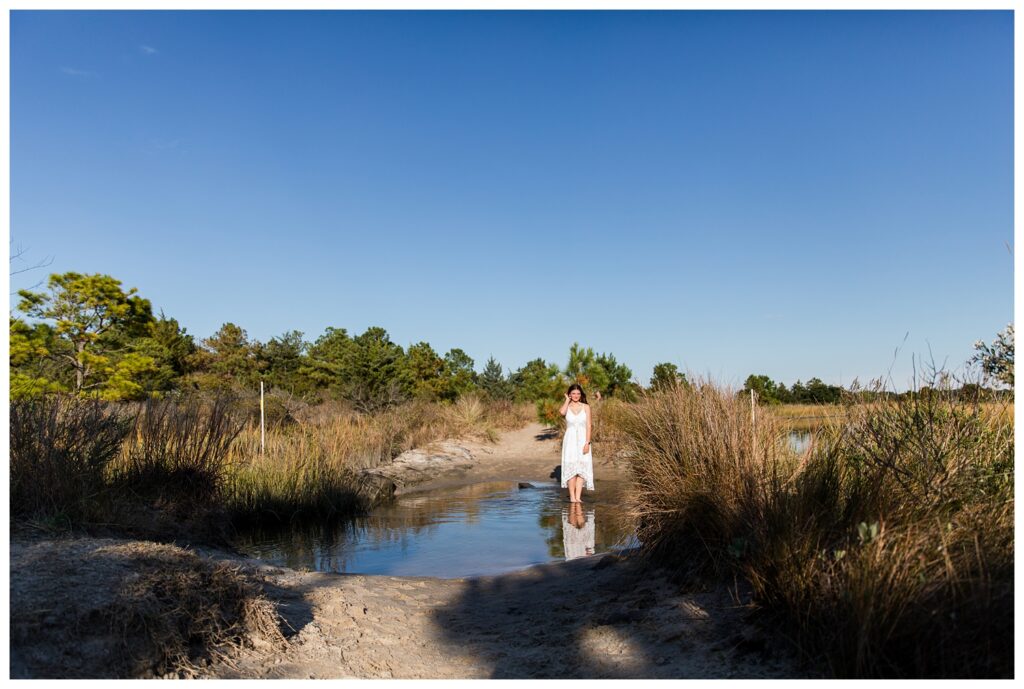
<point x="177" y="450"/>
<point x="885" y="550"/>
<point x="806" y="417"/>
<point x="161" y="465"/>
<point x="314" y="470"/>
<point x="60" y="450"/>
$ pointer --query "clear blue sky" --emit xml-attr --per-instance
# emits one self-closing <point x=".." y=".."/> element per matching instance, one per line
<point x="787" y="193"/>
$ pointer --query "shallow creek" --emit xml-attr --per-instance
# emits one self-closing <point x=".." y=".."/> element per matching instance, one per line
<point x="473" y="530"/>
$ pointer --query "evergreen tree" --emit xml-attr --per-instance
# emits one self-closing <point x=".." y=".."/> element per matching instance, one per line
<point x="766" y="389"/>
<point x="228" y="359"/>
<point x="460" y="377"/>
<point x="666" y="376"/>
<point x="33" y="368"/>
<point x="537" y="380"/>
<point x="427" y="371"/>
<point x="617" y="378"/>
<point x="493" y="382"/>
<point x="324" y="365"/>
<point x="374" y="375"/>
<point x="283" y="358"/>
<point x="94" y="319"/>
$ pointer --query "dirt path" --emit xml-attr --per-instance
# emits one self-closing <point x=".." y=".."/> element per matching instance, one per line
<point x="600" y="616"/>
<point x="532" y="453"/>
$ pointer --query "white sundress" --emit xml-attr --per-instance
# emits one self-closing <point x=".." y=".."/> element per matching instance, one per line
<point x="573" y="460"/>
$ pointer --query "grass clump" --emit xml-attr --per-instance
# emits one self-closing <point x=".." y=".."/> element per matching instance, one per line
<point x="60" y="450"/>
<point x="100" y="608"/>
<point x="885" y="550"/>
<point x="177" y="451"/>
<point x="175" y="616"/>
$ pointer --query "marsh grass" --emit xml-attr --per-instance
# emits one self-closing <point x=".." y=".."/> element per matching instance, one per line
<point x="314" y="471"/>
<point x="177" y="450"/>
<point x="806" y="417"/>
<point x="59" y="453"/>
<point x="885" y="550"/>
<point x="156" y="467"/>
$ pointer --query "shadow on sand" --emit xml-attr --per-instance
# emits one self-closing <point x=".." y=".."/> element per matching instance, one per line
<point x="549" y="433"/>
<point x="598" y="617"/>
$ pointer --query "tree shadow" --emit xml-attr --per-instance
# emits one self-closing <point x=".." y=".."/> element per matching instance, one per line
<point x="593" y="617"/>
<point x="549" y="433"/>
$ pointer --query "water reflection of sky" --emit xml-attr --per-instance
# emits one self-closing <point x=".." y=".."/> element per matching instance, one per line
<point x="474" y="530"/>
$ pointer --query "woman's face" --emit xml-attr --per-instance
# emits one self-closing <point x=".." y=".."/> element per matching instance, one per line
<point x="574" y="395"/>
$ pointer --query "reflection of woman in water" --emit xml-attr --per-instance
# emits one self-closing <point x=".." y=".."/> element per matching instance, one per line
<point x="577" y="531"/>
<point x="577" y="462"/>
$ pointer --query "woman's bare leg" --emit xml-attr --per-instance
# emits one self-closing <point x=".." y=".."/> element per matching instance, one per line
<point x="579" y="489"/>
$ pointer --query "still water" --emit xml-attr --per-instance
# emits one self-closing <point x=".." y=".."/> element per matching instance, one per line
<point x="799" y="441"/>
<point x="480" y="529"/>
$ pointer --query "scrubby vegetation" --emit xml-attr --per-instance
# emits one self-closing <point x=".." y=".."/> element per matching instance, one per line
<point x="884" y="550"/>
<point x="183" y="466"/>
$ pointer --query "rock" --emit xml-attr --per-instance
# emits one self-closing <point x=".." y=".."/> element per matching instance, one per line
<point x="526" y="485"/>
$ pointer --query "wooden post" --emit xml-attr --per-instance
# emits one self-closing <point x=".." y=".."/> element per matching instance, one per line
<point x="263" y="436"/>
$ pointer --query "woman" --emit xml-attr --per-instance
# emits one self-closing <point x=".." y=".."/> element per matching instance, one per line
<point x="577" y="463"/>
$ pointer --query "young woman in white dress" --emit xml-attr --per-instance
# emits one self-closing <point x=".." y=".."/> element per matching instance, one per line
<point x="577" y="462"/>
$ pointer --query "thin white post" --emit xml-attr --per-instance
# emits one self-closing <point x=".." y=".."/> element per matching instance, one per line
<point x="263" y="436"/>
<point x="753" y="423"/>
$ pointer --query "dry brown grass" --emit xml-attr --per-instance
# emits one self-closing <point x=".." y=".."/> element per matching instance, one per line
<point x="60" y="451"/>
<point x="805" y="417"/>
<point x="100" y="608"/>
<point x="190" y="460"/>
<point x="696" y="456"/>
<point x="313" y="469"/>
<point x="886" y="550"/>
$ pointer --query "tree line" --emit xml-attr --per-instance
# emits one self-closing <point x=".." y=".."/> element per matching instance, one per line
<point x="86" y="334"/>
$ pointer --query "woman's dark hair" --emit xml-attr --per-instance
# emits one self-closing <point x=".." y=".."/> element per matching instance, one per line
<point x="576" y="386"/>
